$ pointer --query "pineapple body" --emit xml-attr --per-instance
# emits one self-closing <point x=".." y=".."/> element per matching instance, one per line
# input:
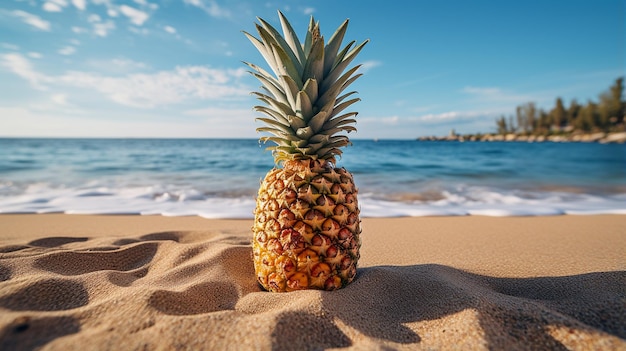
<point x="307" y="227"/>
<point x="306" y="222"/>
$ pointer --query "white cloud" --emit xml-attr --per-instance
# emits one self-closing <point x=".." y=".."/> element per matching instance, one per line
<point x="10" y="46"/>
<point x="79" y="30"/>
<point x="80" y="4"/>
<point x="309" y="11"/>
<point x="102" y="29"/>
<point x="52" y="7"/>
<point x="457" y="116"/>
<point x="20" y="66"/>
<point x="117" y="66"/>
<point x="59" y="99"/>
<point x="161" y="88"/>
<point x="438" y="117"/>
<point x="55" y="121"/>
<point x="368" y="65"/>
<point x="495" y="95"/>
<point x="210" y="7"/>
<point x="170" y="29"/>
<point x="67" y="50"/>
<point x="35" y="55"/>
<point x="93" y="18"/>
<point x="137" y="17"/>
<point x="141" y="31"/>
<point x="140" y="89"/>
<point x="32" y="20"/>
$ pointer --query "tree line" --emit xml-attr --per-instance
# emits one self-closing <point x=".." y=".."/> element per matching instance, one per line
<point x="605" y="115"/>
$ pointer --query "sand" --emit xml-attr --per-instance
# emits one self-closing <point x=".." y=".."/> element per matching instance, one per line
<point x="71" y="282"/>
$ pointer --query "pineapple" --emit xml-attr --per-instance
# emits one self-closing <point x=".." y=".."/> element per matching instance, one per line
<point x="306" y="221"/>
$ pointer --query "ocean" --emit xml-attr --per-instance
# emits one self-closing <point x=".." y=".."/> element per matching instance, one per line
<point x="219" y="178"/>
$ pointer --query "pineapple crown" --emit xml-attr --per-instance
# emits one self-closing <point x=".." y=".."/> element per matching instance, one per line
<point x="303" y="106"/>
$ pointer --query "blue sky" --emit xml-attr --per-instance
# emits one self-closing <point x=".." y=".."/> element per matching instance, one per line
<point x="172" y="68"/>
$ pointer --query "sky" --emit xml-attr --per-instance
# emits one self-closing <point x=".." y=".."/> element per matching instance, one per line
<point x="173" y="68"/>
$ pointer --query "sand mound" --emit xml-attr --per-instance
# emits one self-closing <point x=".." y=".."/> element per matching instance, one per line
<point x="196" y="290"/>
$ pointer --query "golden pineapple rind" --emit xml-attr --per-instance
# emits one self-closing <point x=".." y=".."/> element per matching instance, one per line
<point x="306" y="227"/>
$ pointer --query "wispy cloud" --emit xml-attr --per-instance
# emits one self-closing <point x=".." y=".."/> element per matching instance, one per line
<point x="32" y="20"/>
<point x="59" y="99"/>
<point x="20" y="66"/>
<point x="439" y="117"/>
<point x="210" y="7"/>
<point x="142" y="90"/>
<point x="99" y="27"/>
<point x="137" y="17"/>
<point x="9" y="46"/>
<point x="161" y="88"/>
<point x="54" y="5"/>
<point x="117" y="66"/>
<point x="456" y="116"/>
<point x="67" y="50"/>
<point x="80" y="4"/>
<point x="495" y="95"/>
<point x="102" y="29"/>
<point x="170" y="29"/>
<point x="369" y="65"/>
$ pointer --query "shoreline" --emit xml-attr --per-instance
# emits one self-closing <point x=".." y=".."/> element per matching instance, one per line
<point x="600" y="137"/>
<point x="70" y="282"/>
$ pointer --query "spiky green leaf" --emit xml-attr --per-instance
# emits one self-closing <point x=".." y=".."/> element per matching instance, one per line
<point x="342" y="106"/>
<point x="304" y="133"/>
<point x="282" y="42"/>
<point x="339" y="67"/>
<point x="276" y="91"/>
<point x="266" y="52"/>
<point x="337" y="87"/>
<point x="311" y="89"/>
<point x="317" y="122"/>
<point x="331" y="49"/>
<point x="296" y="122"/>
<point x="268" y="111"/>
<point x="304" y="109"/>
<point x="292" y="38"/>
<point x="314" y="66"/>
<point x="291" y="90"/>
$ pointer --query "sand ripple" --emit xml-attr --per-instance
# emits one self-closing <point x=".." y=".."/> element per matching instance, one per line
<point x="196" y="290"/>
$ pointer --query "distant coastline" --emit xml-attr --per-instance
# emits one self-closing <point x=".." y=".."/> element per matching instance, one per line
<point x="598" y="137"/>
<point x="600" y="122"/>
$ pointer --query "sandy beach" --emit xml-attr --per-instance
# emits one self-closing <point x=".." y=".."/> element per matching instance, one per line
<point x="74" y="282"/>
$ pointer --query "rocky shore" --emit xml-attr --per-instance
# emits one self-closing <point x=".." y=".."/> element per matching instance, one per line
<point x="599" y="137"/>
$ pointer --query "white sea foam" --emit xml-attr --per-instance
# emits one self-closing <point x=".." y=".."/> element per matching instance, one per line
<point x="219" y="178"/>
<point x="158" y="200"/>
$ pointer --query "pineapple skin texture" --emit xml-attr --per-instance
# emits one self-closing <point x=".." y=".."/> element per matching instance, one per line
<point x="306" y="227"/>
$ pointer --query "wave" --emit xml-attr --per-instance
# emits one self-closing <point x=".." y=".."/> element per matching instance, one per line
<point x="188" y="201"/>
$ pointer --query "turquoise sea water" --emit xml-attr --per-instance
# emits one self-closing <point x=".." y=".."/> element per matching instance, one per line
<point x="219" y="178"/>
